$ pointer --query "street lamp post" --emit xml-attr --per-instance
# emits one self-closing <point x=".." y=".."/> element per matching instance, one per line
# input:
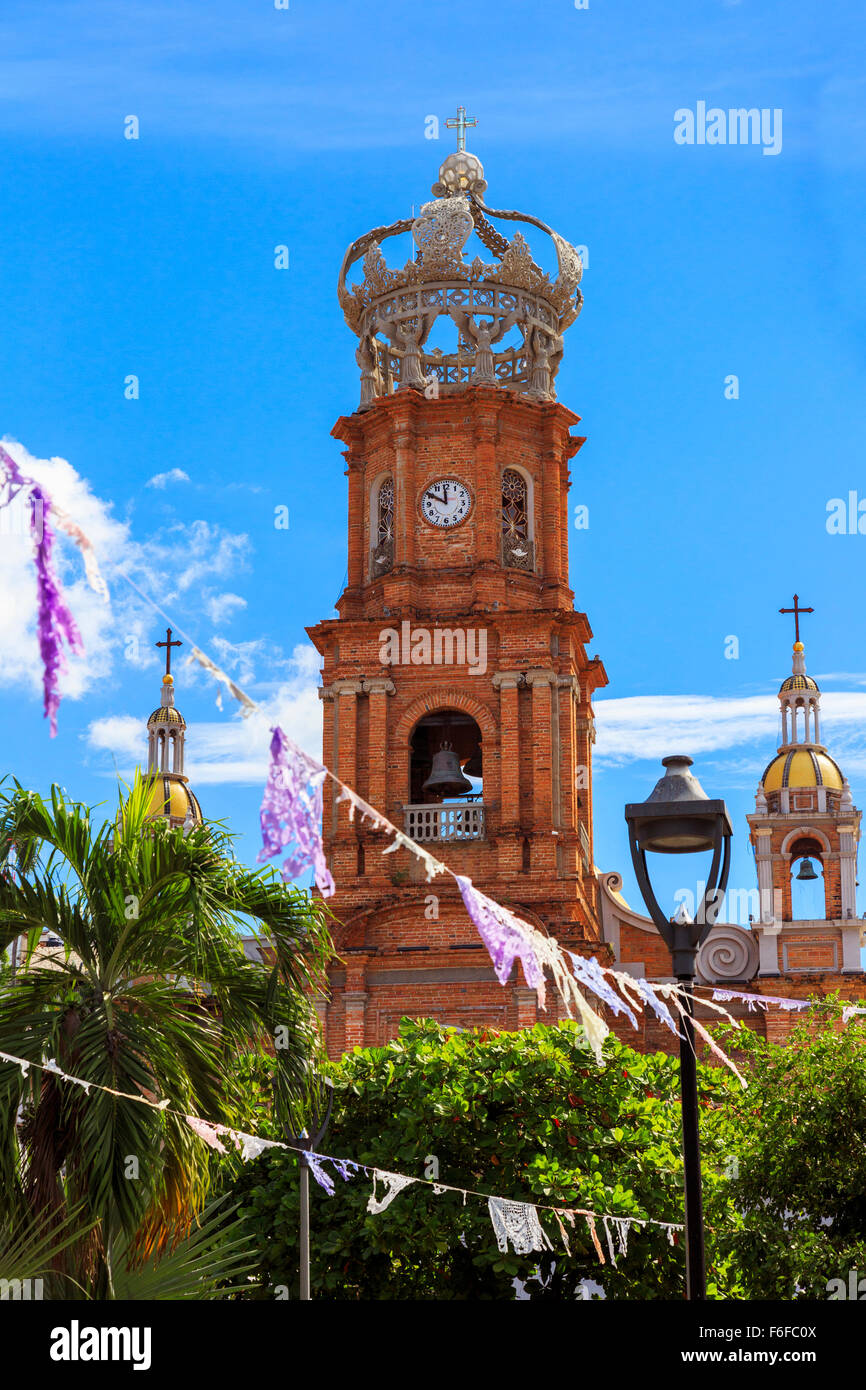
<point x="309" y="1139"/>
<point x="678" y="818"/>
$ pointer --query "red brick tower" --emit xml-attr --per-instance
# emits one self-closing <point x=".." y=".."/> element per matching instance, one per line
<point x="456" y="685"/>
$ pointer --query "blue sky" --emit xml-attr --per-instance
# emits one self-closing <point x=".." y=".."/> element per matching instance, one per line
<point x="305" y="127"/>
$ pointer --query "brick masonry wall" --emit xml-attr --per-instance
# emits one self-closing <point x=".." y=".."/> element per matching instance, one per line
<point x="402" y="943"/>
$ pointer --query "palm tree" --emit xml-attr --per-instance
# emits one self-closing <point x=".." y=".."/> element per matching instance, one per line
<point x="150" y="993"/>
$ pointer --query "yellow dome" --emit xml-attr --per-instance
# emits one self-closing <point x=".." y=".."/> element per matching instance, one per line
<point x="172" y="797"/>
<point x="802" y="767"/>
<point x="798" y="683"/>
<point x="166" y="715"/>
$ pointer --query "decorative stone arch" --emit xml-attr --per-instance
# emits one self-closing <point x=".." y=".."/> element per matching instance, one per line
<point x="355" y="933"/>
<point x="467" y="704"/>
<point x="806" y="832"/>
<point x="799" y="833"/>
<point x="445" y="699"/>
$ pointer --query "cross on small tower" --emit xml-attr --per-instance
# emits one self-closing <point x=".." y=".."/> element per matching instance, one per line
<point x="168" y="644"/>
<point x="796" y="610"/>
<point x="460" y="124"/>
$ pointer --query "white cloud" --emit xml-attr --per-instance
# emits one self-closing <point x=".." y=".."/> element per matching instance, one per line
<point x="161" y="480"/>
<point x="186" y="555"/>
<point x="652" y="726"/>
<point x="120" y="734"/>
<point x="221" y="608"/>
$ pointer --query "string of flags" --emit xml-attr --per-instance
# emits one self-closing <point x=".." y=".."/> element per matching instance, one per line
<point x="516" y="1225"/>
<point x="764" y="1001"/>
<point x="291" y="821"/>
<point x="291" y="813"/>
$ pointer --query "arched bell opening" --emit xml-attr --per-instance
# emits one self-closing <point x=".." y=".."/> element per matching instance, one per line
<point x="445" y="778"/>
<point x="808" y="886"/>
<point x="446" y="761"/>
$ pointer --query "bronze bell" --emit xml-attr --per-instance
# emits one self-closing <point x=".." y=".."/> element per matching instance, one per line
<point x="806" y="870"/>
<point x="446" y="778"/>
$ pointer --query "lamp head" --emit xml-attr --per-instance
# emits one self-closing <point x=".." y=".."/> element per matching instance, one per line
<point x="677" y="817"/>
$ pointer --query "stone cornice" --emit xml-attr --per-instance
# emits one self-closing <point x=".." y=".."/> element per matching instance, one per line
<point x="509" y="679"/>
<point x="359" y="685"/>
<point x="540" y="675"/>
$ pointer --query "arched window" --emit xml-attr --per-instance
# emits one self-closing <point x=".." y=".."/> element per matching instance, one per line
<point x="808" y="884"/>
<point x="382" y="527"/>
<point x="517" y="547"/>
<point x="446" y="778"/>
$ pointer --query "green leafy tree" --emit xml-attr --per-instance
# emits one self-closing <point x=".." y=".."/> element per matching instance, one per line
<point x="524" y="1115"/>
<point x="149" y="993"/>
<point x="797" y="1138"/>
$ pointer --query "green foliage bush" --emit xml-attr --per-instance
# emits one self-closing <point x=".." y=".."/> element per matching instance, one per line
<point x="525" y="1115"/>
<point x="799" y="1136"/>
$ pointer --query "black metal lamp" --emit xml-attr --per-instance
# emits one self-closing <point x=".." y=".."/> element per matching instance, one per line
<point x="679" y="818"/>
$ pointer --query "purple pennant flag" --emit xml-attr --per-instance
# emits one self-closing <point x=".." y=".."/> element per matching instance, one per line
<point x="314" y="1163"/>
<point x="291" y="812"/>
<point x="342" y="1165"/>
<point x="55" y="623"/>
<point x="505" y="936"/>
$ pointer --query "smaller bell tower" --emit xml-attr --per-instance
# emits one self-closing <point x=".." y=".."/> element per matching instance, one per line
<point x="804" y="831"/>
<point x="172" y="798"/>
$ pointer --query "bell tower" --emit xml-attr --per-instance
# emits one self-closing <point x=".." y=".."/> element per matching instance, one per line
<point x="805" y="820"/>
<point x="457" y="691"/>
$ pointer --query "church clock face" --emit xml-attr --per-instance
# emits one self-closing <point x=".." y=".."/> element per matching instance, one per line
<point x="446" y="503"/>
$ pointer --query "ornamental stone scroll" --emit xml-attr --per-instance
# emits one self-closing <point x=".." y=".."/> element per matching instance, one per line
<point x="729" y="954"/>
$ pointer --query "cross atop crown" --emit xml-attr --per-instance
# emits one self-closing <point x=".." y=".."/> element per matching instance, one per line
<point x="460" y="123"/>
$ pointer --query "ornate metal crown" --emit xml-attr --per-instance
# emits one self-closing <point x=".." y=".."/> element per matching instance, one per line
<point x="393" y="311"/>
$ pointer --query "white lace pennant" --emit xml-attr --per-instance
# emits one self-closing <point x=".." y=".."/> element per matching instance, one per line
<point x="19" y="1061"/>
<point x="622" y="1225"/>
<point x="357" y="803"/>
<point x="208" y="1132"/>
<point x="252" y="1145"/>
<point x="432" y="866"/>
<point x="517" y="1224"/>
<point x="561" y="1218"/>
<point x="394" y="1183"/>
